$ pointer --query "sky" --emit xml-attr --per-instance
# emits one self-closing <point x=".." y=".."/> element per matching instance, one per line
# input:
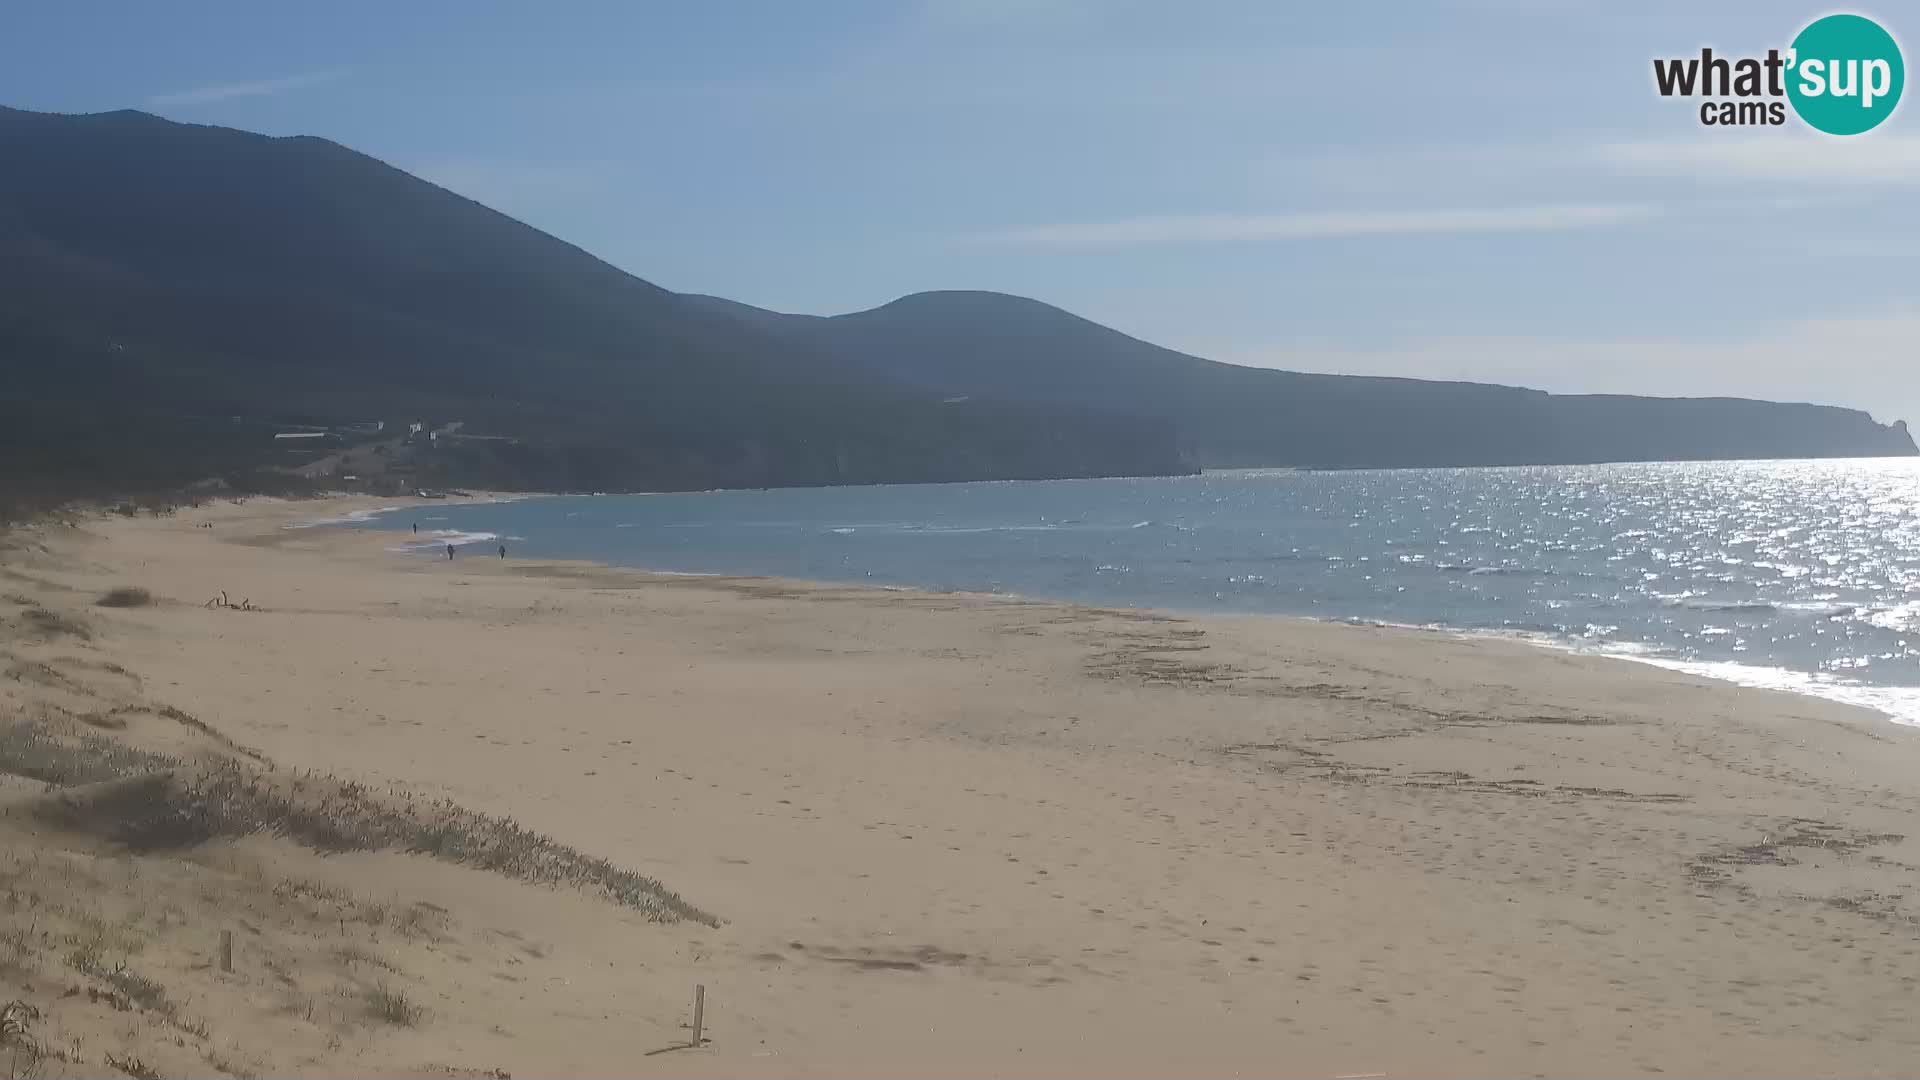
<point x="1481" y="189"/>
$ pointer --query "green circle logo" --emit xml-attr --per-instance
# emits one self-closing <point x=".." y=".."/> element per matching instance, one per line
<point x="1846" y="74"/>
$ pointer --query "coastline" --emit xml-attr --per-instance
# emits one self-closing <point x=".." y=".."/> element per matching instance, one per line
<point x="1895" y="704"/>
<point x="953" y="834"/>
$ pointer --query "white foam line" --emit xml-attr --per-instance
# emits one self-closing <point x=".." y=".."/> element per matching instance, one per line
<point x="1900" y="704"/>
<point x="443" y="537"/>
<point x="362" y="517"/>
<point x="351" y="517"/>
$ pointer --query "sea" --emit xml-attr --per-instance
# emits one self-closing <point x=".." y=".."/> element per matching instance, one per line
<point x="1793" y="575"/>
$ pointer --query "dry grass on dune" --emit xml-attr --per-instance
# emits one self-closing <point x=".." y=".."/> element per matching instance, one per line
<point x="29" y="749"/>
<point x="113" y="959"/>
<point x="46" y="625"/>
<point x="132" y="834"/>
<point x="124" y="596"/>
<point x="394" y="1006"/>
<point x="148" y="802"/>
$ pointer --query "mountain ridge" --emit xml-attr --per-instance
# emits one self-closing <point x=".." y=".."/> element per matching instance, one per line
<point x="171" y="293"/>
<point x="958" y="342"/>
<point x="149" y="269"/>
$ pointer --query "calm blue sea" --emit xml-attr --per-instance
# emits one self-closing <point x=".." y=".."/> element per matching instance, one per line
<point x="1800" y="575"/>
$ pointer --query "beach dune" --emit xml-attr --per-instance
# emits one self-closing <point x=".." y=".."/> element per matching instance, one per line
<point x="959" y="835"/>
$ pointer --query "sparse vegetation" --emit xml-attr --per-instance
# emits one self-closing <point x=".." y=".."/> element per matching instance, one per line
<point x="187" y="719"/>
<point x="353" y="955"/>
<point x="122" y="949"/>
<point x="119" y="946"/>
<point x="40" y="672"/>
<point x="132" y="1066"/>
<point x="227" y="1067"/>
<point x="105" y="721"/>
<point x="139" y="989"/>
<point x="394" y="1006"/>
<point x="293" y="887"/>
<point x="164" y="811"/>
<point x="29" y="748"/>
<point x="125" y="596"/>
<point x="16" y="947"/>
<point x="47" y="624"/>
<point x="419" y="920"/>
<point x="160" y="804"/>
<point x="85" y="955"/>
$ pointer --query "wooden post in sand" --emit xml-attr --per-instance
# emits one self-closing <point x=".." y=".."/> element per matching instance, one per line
<point x="699" y="1010"/>
<point x="226" y="950"/>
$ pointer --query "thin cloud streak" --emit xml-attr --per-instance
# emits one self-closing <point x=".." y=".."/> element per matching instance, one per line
<point x="1875" y="159"/>
<point x="206" y="95"/>
<point x="1233" y="228"/>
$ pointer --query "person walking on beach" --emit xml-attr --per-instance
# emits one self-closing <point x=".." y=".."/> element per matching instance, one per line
<point x="503" y="551"/>
<point x="416" y="528"/>
<point x="449" y="552"/>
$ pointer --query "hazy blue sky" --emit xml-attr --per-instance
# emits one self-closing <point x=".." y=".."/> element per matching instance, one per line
<point x="1486" y="189"/>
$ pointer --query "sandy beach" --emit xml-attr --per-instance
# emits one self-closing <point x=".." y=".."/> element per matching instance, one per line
<point x="949" y="835"/>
